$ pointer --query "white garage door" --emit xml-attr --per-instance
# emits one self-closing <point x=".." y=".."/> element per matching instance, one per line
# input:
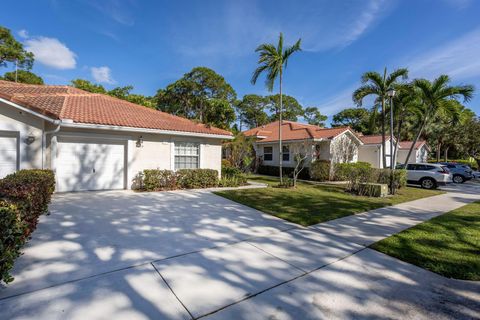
<point x="8" y="155"/>
<point x="87" y="164"/>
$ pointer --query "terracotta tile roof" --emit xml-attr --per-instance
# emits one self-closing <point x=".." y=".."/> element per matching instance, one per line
<point x="294" y="131"/>
<point x="65" y="102"/>
<point x="405" y="145"/>
<point x="374" y="139"/>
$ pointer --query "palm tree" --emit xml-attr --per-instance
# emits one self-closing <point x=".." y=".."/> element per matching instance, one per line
<point x="438" y="96"/>
<point x="273" y="60"/>
<point x="373" y="83"/>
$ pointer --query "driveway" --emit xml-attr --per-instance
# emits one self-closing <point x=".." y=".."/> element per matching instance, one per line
<point x="193" y="254"/>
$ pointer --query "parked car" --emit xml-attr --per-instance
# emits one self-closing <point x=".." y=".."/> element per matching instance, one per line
<point x="460" y="172"/>
<point x="476" y="174"/>
<point x="428" y="175"/>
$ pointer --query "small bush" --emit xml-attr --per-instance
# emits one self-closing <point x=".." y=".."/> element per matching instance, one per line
<point x="226" y="163"/>
<point x="24" y="196"/>
<point x="320" y="170"/>
<point x="197" y="178"/>
<point x="230" y="172"/>
<point x="384" y="176"/>
<point x="159" y="180"/>
<point x="233" y="181"/>
<point x="12" y="238"/>
<point x="343" y="171"/>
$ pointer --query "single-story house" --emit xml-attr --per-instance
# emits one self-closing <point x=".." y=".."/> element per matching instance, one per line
<point x="337" y="145"/>
<point x="372" y="150"/>
<point x="94" y="141"/>
<point x="419" y="154"/>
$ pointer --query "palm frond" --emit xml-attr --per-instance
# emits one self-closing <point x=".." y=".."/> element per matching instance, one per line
<point x="395" y="75"/>
<point x="290" y="50"/>
<point x="373" y="77"/>
<point x="362" y="92"/>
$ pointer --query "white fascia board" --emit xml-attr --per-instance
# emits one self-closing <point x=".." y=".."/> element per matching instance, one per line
<point x="43" y="117"/>
<point x="145" y="130"/>
<point x="284" y="141"/>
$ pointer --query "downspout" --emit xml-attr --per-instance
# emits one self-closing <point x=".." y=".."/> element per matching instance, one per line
<point x="58" y="123"/>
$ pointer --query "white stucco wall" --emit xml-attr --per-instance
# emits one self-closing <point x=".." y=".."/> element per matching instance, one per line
<point x="22" y="125"/>
<point x="156" y="151"/>
<point x="371" y="154"/>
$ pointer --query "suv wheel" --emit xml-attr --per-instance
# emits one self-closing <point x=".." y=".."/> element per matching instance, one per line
<point x="458" y="178"/>
<point x="428" y="183"/>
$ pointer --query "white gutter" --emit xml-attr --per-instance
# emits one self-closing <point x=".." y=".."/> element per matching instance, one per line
<point x="145" y="130"/>
<point x="44" y="138"/>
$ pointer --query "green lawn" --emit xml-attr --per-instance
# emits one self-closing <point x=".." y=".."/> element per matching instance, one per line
<point x="310" y="204"/>
<point x="448" y="245"/>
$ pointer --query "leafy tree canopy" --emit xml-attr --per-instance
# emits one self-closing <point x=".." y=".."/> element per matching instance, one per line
<point x="88" y="86"/>
<point x="123" y="93"/>
<point x="356" y="118"/>
<point x="12" y="51"/>
<point x="200" y="94"/>
<point x="313" y="116"/>
<point x="23" y="76"/>
<point x="251" y="110"/>
<point x="291" y="107"/>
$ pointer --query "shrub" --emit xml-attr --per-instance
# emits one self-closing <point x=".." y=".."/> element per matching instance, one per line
<point x="197" y="178"/>
<point x="24" y="196"/>
<point x="383" y="176"/>
<point x="233" y="181"/>
<point x="287" y="171"/>
<point x="320" y="170"/>
<point x="343" y="171"/>
<point x="226" y="163"/>
<point x="230" y="172"/>
<point x="159" y="180"/>
<point x="12" y="238"/>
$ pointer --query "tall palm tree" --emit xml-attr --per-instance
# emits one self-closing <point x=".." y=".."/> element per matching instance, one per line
<point x="273" y="60"/>
<point x="375" y="84"/>
<point x="438" y="96"/>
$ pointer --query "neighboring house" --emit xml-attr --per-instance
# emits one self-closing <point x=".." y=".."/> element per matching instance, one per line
<point x="335" y="144"/>
<point x="419" y="153"/>
<point x="94" y="141"/>
<point x="372" y="150"/>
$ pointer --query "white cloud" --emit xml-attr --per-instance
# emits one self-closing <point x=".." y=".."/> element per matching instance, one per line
<point x="51" y="52"/>
<point x="458" y="58"/>
<point x="102" y="74"/>
<point x="23" y="34"/>
<point x="459" y="4"/>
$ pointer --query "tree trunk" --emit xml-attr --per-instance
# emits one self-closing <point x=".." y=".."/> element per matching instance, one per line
<point x="445" y="155"/>
<point x="399" y="136"/>
<point x="384" y="156"/>
<point x="439" y="147"/>
<point x="419" y="133"/>
<point x="280" y="160"/>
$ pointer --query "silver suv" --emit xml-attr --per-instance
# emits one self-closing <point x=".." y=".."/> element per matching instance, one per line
<point x="460" y="172"/>
<point x="428" y="175"/>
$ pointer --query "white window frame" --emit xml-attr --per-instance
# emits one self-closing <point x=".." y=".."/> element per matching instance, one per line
<point x="284" y="153"/>
<point x="188" y="144"/>
<point x="270" y="153"/>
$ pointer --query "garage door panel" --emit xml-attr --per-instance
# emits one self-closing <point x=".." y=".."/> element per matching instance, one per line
<point x="8" y="155"/>
<point x="90" y="164"/>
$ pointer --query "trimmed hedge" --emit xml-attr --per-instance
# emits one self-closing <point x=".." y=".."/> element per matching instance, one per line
<point x="24" y="196"/>
<point x="343" y="171"/>
<point x="197" y="178"/>
<point x="160" y="180"/>
<point x="287" y="171"/>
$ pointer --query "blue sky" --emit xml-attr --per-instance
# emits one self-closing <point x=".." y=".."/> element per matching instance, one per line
<point x="149" y="44"/>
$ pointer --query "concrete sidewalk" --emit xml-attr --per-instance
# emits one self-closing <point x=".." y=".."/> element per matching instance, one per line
<point x="324" y="271"/>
